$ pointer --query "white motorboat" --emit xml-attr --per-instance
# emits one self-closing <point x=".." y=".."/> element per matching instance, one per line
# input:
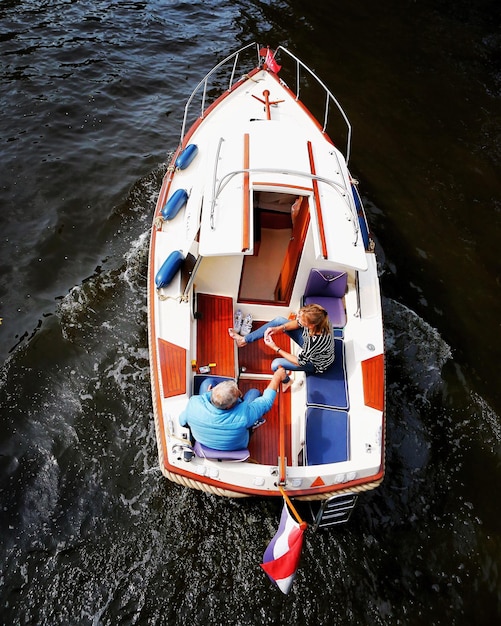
<point x="258" y="213"/>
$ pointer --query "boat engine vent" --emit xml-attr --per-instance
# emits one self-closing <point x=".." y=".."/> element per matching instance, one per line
<point x="335" y="510"/>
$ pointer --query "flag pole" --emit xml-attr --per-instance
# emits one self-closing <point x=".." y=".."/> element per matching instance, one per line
<point x="282" y="476"/>
<point x="292" y="507"/>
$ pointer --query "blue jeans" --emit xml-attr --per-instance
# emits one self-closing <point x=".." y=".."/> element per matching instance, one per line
<point x="296" y="335"/>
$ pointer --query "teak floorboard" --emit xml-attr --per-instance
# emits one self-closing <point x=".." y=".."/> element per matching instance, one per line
<point x="264" y="441"/>
<point x="256" y="357"/>
<point x="214" y="345"/>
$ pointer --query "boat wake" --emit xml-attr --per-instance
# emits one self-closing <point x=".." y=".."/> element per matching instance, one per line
<point x="88" y="516"/>
<point x="413" y="346"/>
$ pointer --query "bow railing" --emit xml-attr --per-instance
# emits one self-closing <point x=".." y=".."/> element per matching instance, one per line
<point x="239" y="61"/>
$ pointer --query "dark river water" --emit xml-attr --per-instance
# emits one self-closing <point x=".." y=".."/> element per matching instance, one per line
<point x="91" y="96"/>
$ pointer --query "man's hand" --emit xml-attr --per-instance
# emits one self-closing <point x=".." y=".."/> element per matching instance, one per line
<point x="278" y="377"/>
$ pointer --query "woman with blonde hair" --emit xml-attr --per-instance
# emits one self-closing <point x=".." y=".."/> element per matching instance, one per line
<point x="311" y="330"/>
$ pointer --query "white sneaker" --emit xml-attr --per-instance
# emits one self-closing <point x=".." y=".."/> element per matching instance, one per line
<point x="259" y="422"/>
<point x="246" y="325"/>
<point x="237" y="321"/>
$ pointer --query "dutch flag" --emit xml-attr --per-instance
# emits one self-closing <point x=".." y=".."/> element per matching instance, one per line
<point x="281" y="558"/>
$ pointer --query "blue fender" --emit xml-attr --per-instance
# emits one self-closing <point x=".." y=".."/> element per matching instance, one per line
<point x="169" y="269"/>
<point x="174" y="204"/>
<point x="186" y="156"/>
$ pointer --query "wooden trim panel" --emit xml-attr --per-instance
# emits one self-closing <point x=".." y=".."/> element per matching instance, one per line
<point x="173" y="368"/>
<point x="246" y="198"/>
<point x="318" y="207"/>
<point x="373" y="377"/>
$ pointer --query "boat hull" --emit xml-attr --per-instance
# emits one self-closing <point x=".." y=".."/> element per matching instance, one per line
<point x="270" y="211"/>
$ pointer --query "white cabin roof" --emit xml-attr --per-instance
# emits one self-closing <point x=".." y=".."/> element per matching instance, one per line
<point x="277" y="155"/>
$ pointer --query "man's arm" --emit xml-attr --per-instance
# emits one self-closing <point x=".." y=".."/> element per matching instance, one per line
<point x="258" y="407"/>
<point x="183" y="418"/>
<point x="277" y="378"/>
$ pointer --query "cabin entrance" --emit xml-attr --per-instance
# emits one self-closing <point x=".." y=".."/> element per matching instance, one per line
<point x="280" y="225"/>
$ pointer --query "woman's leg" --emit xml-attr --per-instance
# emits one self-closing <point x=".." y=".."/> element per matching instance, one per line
<point x="292" y="367"/>
<point x="259" y="332"/>
<point x="297" y="336"/>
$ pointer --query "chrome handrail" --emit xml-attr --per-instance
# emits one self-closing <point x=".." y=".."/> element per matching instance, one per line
<point x="340" y="189"/>
<point x="205" y="81"/>
<point x="234" y="57"/>
<point x="328" y="95"/>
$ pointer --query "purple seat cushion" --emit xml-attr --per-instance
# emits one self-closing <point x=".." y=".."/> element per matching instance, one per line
<point x="220" y="455"/>
<point x="327" y="283"/>
<point x="333" y="306"/>
<point x="327" y="288"/>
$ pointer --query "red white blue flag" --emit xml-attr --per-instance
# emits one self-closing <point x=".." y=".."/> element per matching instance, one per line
<point x="271" y="63"/>
<point x="281" y="558"/>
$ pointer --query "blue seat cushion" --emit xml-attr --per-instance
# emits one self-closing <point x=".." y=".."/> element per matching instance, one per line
<point x="326" y="436"/>
<point x="330" y="388"/>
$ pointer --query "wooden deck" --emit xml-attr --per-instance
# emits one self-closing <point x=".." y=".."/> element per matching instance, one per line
<point x="214" y="345"/>
<point x="265" y="441"/>
<point x="256" y="358"/>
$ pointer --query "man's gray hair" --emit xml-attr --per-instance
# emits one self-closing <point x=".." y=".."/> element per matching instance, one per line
<point x="225" y="394"/>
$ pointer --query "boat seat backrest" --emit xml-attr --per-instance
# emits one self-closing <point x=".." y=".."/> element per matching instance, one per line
<point x="327" y="288"/>
<point x="326" y="283"/>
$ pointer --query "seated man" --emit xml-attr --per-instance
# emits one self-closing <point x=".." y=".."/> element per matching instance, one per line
<point x="220" y="418"/>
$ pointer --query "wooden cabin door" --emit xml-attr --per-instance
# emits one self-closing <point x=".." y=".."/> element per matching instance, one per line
<point x="301" y="221"/>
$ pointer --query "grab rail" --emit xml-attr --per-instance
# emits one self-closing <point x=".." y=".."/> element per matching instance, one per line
<point x="204" y="82"/>
<point x="342" y="191"/>
<point x="235" y="58"/>
<point x="329" y="97"/>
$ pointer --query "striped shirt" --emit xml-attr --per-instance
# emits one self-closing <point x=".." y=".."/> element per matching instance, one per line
<point x="317" y="350"/>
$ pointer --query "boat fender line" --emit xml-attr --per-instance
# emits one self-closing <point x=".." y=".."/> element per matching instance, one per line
<point x="186" y="156"/>
<point x="169" y="269"/>
<point x="174" y="204"/>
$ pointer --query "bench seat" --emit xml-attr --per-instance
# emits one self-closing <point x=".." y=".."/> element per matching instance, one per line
<point x="327" y="288"/>
<point x="327" y="418"/>
<point x="326" y="436"/>
<point x="330" y="389"/>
